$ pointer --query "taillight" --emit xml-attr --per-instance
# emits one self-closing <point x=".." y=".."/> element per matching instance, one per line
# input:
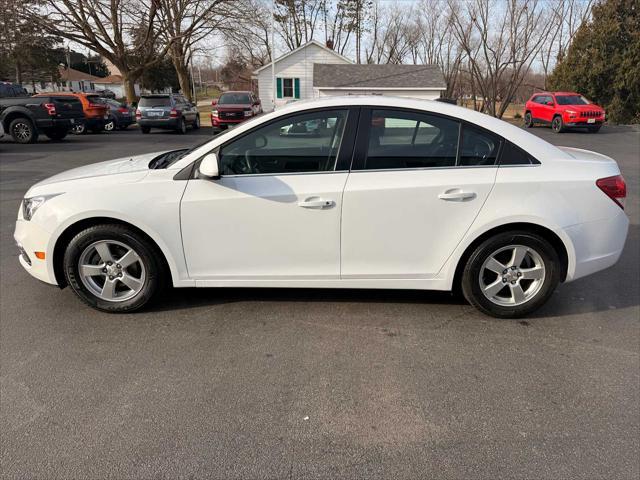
<point x="95" y="105"/>
<point x="615" y="188"/>
<point x="138" y="114"/>
<point x="123" y="110"/>
<point x="174" y="113"/>
<point x="51" y="108"/>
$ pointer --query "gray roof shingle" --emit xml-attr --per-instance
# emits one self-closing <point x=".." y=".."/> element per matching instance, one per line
<point x="377" y="76"/>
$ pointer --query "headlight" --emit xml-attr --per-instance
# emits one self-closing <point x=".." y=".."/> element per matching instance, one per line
<point x="571" y="112"/>
<point x="214" y="113"/>
<point x="247" y="113"/>
<point x="30" y="205"/>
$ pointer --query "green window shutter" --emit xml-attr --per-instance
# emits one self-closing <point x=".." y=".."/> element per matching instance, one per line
<point x="279" y="87"/>
<point x="296" y="87"/>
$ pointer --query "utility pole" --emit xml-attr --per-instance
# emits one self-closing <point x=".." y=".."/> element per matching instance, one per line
<point x="273" y="54"/>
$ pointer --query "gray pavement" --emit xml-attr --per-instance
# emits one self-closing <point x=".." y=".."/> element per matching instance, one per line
<point x="315" y="383"/>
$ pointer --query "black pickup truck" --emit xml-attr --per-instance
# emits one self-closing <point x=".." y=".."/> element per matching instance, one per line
<point x="25" y="117"/>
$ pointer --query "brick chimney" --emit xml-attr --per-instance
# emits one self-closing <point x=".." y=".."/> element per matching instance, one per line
<point x="330" y="43"/>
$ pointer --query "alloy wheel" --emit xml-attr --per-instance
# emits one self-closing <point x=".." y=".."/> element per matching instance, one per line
<point x="111" y="270"/>
<point x="21" y="131"/>
<point x="110" y="125"/>
<point x="512" y="275"/>
<point x="78" y="129"/>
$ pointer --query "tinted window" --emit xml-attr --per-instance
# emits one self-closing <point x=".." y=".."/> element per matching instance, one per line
<point x="95" y="99"/>
<point x="571" y="100"/>
<point x="400" y="139"/>
<point x="301" y="143"/>
<point x="478" y="147"/>
<point x="512" y="155"/>
<point x="155" y="102"/>
<point x="234" y="99"/>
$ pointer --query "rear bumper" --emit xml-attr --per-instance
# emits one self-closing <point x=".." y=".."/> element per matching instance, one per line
<point x="169" y="123"/>
<point x="597" y="245"/>
<point x="31" y="238"/>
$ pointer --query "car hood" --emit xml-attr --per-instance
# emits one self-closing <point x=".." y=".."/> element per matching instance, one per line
<point x="119" y="166"/>
<point x="580" y="108"/>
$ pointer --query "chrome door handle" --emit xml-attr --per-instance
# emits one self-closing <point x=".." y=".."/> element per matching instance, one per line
<point x="316" y="202"/>
<point x="457" y="195"/>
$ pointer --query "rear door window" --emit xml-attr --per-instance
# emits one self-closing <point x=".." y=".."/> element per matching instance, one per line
<point x="478" y="147"/>
<point x="155" y="102"/>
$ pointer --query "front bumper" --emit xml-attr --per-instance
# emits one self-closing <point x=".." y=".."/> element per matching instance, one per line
<point x="582" y="123"/>
<point x="597" y="245"/>
<point x="31" y="238"/>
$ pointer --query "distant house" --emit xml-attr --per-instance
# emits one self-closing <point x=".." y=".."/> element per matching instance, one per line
<point x="314" y="70"/>
<point x="294" y="74"/>
<point x="414" y="81"/>
<point x="72" y="80"/>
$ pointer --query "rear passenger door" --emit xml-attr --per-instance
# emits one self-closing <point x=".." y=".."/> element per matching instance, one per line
<point x="417" y="183"/>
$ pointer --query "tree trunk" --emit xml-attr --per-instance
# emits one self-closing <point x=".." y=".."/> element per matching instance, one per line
<point x="128" y="82"/>
<point x="182" y="70"/>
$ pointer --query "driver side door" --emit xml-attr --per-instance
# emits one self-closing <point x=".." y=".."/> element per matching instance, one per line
<point x="274" y="213"/>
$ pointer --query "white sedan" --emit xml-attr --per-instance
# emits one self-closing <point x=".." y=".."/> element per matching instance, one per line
<point x="352" y="192"/>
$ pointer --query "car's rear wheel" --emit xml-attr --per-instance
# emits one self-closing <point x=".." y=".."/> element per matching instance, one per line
<point x="23" y="131"/>
<point x="79" y="129"/>
<point x="113" y="268"/>
<point x="557" y="125"/>
<point x="56" y="133"/>
<point x="110" y="125"/>
<point x="528" y="120"/>
<point x="182" y="126"/>
<point x="145" y="129"/>
<point x="511" y="274"/>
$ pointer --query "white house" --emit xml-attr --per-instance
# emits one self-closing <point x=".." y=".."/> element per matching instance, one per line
<point x="294" y="74"/>
<point x="314" y="70"/>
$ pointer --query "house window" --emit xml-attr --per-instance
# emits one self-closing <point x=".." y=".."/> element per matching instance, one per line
<point x="288" y="87"/>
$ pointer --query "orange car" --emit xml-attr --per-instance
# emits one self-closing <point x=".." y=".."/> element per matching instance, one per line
<point x="96" y="111"/>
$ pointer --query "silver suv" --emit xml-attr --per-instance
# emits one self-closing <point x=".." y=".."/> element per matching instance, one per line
<point x="166" y="111"/>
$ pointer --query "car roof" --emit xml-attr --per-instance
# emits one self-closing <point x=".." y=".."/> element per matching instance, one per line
<point x="527" y="141"/>
<point x="555" y="93"/>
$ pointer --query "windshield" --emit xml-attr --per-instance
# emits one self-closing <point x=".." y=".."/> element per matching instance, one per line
<point x="234" y="99"/>
<point x="155" y="102"/>
<point x="572" y="100"/>
<point x="166" y="159"/>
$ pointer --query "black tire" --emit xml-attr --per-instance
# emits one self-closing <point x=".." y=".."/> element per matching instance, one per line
<point x="123" y="127"/>
<point x="56" y="133"/>
<point x="110" y="125"/>
<point x="155" y="272"/>
<point x="540" y="293"/>
<point x="557" y="125"/>
<point x="196" y="123"/>
<point x="145" y="129"/>
<point x="594" y="129"/>
<point x="528" y="120"/>
<point x="79" y="129"/>
<point x="23" y="131"/>
<point x="182" y="127"/>
<point x="215" y="131"/>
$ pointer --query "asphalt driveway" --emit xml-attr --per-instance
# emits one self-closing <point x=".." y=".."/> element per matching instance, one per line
<point x="315" y="383"/>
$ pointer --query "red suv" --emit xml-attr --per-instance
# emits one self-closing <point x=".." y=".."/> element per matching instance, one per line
<point x="563" y="110"/>
<point x="232" y="108"/>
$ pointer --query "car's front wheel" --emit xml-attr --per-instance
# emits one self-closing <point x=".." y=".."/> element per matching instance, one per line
<point x="23" y="131"/>
<point x="511" y="274"/>
<point x="113" y="268"/>
<point x="557" y="125"/>
<point x="110" y="125"/>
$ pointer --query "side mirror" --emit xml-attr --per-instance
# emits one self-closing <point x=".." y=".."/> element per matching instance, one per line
<point x="550" y="104"/>
<point x="209" y="166"/>
<point x="214" y="102"/>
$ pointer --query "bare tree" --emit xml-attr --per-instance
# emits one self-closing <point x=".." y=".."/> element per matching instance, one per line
<point x="250" y="38"/>
<point x="501" y="42"/>
<point x="184" y="23"/>
<point x="106" y="27"/>
<point x="298" y="20"/>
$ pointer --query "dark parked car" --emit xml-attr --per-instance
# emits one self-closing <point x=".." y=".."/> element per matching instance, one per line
<point x="106" y="93"/>
<point x="8" y="89"/>
<point x="24" y="118"/>
<point x="166" y="111"/>
<point x="120" y="115"/>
